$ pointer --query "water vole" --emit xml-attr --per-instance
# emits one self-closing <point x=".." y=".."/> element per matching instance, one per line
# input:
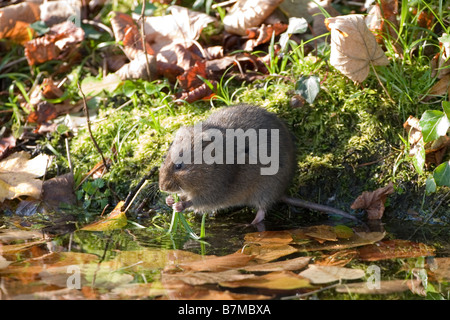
<point x="239" y="156"/>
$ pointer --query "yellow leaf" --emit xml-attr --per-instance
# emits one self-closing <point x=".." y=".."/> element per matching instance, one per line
<point x="115" y="220"/>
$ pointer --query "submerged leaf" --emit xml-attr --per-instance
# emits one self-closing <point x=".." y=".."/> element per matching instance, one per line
<point x="324" y="274"/>
<point x="115" y="220"/>
<point x="284" y="280"/>
<point x="391" y="249"/>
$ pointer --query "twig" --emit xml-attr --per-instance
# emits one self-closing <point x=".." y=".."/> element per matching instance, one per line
<point x="86" y="110"/>
<point x="68" y="155"/>
<point x="144" y="46"/>
<point x="381" y="83"/>
<point x="132" y="195"/>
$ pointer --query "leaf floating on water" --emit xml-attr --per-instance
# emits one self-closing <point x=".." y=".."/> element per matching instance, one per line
<point x="214" y="264"/>
<point x="269" y="237"/>
<point x="286" y="265"/>
<point x="325" y="274"/>
<point x="115" y="220"/>
<point x="385" y="287"/>
<point x="268" y="252"/>
<point x="284" y="280"/>
<point x="353" y="47"/>
<point x="357" y="240"/>
<point x="391" y="249"/>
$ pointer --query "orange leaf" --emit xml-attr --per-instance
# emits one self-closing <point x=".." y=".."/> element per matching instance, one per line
<point x="391" y="249"/>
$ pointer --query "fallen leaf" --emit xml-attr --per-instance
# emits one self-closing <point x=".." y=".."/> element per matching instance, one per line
<point x="189" y="79"/>
<point x="153" y="259"/>
<point x="115" y="220"/>
<point x="321" y="233"/>
<point x="93" y="86"/>
<point x="178" y="290"/>
<point x="354" y="48"/>
<point x="18" y="175"/>
<point x="245" y="14"/>
<point x="268" y="237"/>
<point x="182" y="26"/>
<point x="286" y="265"/>
<point x="215" y="264"/>
<point x="201" y="92"/>
<point x="6" y="144"/>
<point x="59" y="189"/>
<point x="373" y="202"/>
<point x="15" y="21"/>
<point x="54" y="12"/>
<point x="441" y="87"/>
<point x="59" y="42"/>
<point x="392" y="249"/>
<point x="385" y="287"/>
<point x="44" y="111"/>
<point x="263" y="34"/>
<point x="200" y="278"/>
<point x="9" y="235"/>
<point x="283" y="280"/>
<point x="268" y="252"/>
<point x="324" y="274"/>
<point x="357" y="240"/>
<point x="339" y="258"/>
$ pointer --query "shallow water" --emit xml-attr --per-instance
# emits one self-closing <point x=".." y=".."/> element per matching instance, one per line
<point x="134" y="262"/>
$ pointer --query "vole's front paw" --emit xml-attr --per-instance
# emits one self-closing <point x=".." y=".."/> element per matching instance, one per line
<point x="170" y="201"/>
<point x="179" y="206"/>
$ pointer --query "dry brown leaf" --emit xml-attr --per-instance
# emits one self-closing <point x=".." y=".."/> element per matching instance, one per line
<point x="269" y="237"/>
<point x="178" y="290"/>
<point x="321" y="233"/>
<point x="283" y="280"/>
<point x="386" y="287"/>
<point x="286" y="265"/>
<point x="200" y="278"/>
<point x="189" y="79"/>
<point x="15" y="20"/>
<point x="182" y="26"/>
<point x="441" y="87"/>
<point x="60" y="41"/>
<point x="6" y="144"/>
<point x="356" y="240"/>
<point x="268" y="252"/>
<point x="373" y="202"/>
<point x="354" y="48"/>
<point x="339" y="258"/>
<point x="59" y="190"/>
<point x="18" y="175"/>
<point x="216" y="264"/>
<point x="201" y="92"/>
<point x="324" y="274"/>
<point x="246" y="14"/>
<point x="391" y="249"/>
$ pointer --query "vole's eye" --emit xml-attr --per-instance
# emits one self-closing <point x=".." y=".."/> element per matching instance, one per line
<point x="178" y="166"/>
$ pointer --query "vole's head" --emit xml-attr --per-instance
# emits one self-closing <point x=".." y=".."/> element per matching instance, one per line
<point x="180" y="173"/>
